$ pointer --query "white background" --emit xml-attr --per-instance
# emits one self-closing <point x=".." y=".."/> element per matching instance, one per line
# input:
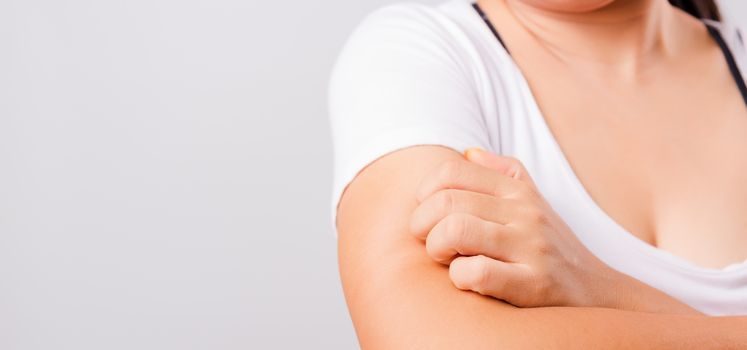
<point x="165" y="174"/>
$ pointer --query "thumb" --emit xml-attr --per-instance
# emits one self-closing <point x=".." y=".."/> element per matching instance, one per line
<point x="508" y="166"/>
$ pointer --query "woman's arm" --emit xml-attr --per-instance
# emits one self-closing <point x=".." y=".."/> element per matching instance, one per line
<point x="399" y="298"/>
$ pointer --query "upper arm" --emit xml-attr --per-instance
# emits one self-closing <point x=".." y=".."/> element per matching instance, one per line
<point x="399" y="82"/>
<point x="398" y="296"/>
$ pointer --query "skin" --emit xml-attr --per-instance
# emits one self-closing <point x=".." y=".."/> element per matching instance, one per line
<point x="635" y="90"/>
<point x="486" y="219"/>
<point x="428" y="261"/>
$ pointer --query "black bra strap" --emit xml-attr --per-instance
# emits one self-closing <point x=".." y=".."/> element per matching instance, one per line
<point x="733" y="68"/>
<point x="490" y="25"/>
<point x="714" y="32"/>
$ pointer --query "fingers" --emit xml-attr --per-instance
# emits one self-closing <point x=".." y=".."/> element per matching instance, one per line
<point x="442" y="203"/>
<point x="464" y="175"/>
<point x="508" y="166"/>
<point x="491" y="277"/>
<point x="465" y="234"/>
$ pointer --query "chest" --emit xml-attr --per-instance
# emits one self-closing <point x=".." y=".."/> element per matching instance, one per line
<point x="667" y="160"/>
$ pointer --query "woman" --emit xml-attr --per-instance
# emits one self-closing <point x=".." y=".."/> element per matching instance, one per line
<point x="600" y="201"/>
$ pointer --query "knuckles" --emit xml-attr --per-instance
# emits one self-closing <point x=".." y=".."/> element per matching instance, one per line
<point x="449" y="171"/>
<point x="439" y="203"/>
<point x="455" y="229"/>
<point x="534" y="215"/>
<point x="481" y="275"/>
<point x="524" y="191"/>
<point x="533" y="219"/>
<point x="541" y="247"/>
<point x="446" y="238"/>
<point x="444" y="201"/>
<point x="471" y="273"/>
<point x="442" y="176"/>
<point x="543" y="286"/>
<point x="514" y="163"/>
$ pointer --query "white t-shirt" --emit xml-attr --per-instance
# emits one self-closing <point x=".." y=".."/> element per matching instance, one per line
<point x="414" y="74"/>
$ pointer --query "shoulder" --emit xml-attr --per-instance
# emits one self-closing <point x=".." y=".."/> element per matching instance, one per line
<point x="441" y="16"/>
<point x="411" y="40"/>
<point x="437" y="28"/>
<point x="408" y="43"/>
<point x="403" y="10"/>
<point x="731" y="35"/>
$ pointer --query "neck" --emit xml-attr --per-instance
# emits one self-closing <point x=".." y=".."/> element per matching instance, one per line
<point x="623" y="35"/>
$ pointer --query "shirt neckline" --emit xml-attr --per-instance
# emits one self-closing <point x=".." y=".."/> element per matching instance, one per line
<point x="624" y="236"/>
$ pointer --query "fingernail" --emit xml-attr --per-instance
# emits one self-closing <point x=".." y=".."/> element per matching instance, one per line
<point x="469" y="152"/>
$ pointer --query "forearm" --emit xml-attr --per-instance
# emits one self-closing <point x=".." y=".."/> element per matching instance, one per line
<point x="409" y="302"/>
<point x="628" y="293"/>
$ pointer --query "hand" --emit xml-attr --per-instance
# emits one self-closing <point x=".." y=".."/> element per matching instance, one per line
<point x="487" y="220"/>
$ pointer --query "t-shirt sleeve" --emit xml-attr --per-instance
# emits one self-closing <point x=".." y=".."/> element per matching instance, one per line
<point x="400" y="81"/>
